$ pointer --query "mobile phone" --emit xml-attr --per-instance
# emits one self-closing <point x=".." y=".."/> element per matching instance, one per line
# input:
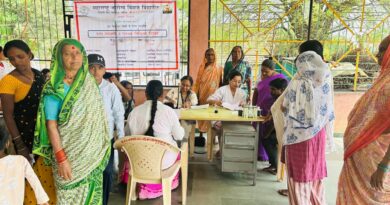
<point x="107" y="75"/>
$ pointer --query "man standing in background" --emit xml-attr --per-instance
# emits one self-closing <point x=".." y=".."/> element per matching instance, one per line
<point x="114" y="111"/>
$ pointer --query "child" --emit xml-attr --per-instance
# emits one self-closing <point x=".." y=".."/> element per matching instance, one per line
<point x="270" y="141"/>
<point x="13" y="170"/>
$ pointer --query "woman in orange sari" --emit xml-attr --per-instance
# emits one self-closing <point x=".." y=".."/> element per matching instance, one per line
<point x="208" y="80"/>
<point x="365" y="177"/>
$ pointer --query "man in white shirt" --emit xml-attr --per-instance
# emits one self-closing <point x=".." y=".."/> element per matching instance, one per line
<point x="114" y="111"/>
<point x="230" y="94"/>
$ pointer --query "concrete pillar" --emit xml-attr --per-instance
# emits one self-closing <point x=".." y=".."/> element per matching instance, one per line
<point x="199" y="34"/>
<point x="198" y="40"/>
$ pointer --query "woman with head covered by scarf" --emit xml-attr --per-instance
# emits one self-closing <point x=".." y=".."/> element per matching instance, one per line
<point x="236" y="62"/>
<point x="72" y="132"/>
<point x="365" y="177"/>
<point x="308" y="118"/>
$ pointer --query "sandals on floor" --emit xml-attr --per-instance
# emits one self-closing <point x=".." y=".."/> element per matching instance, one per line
<point x="283" y="192"/>
<point x="268" y="168"/>
<point x="271" y="170"/>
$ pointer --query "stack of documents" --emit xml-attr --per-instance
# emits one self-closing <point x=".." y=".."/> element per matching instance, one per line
<point x="231" y="106"/>
<point x="197" y="107"/>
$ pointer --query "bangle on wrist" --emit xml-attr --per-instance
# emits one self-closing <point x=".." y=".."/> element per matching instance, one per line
<point x="17" y="137"/>
<point x="17" y="141"/>
<point x="60" y="156"/>
<point x="61" y="162"/>
<point x="383" y="167"/>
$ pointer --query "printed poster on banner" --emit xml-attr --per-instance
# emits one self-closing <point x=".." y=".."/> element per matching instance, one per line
<point x="131" y="36"/>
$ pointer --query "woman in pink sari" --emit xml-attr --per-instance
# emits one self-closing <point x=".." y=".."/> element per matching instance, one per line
<point x="263" y="99"/>
<point x="365" y="177"/>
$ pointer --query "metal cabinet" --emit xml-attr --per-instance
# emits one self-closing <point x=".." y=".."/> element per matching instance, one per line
<point x="239" y="148"/>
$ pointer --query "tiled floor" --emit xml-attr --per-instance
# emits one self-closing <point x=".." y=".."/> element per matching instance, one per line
<point x="208" y="186"/>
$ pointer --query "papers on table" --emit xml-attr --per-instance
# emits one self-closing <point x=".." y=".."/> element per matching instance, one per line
<point x="231" y="106"/>
<point x="197" y="107"/>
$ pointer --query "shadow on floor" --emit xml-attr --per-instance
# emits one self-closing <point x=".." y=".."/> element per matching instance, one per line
<point x="208" y="186"/>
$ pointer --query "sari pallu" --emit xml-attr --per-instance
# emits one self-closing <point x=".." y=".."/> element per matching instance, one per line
<point x="354" y="182"/>
<point x="25" y="111"/>
<point x="365" y="144"/>
<point x="243" y="67"/>
<point x="308" y="117"/>
<point x="83" y="150"/>
<point x="362" y="128"/>
<point x="207" y="82"/>
<point x="308" y="101"/>
<point x="83" y="130"/>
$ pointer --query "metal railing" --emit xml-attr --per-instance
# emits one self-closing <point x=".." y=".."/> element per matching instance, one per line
<point x="264" y="28"/>
<point x="350" y="31"/>
<point x="41" y="23"/>
<point x="37" y="22"/>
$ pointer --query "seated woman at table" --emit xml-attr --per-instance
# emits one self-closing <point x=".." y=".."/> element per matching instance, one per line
<point x="183" y="97"/>
<point x="231" y="94"/>
<point x="153" y="118"/>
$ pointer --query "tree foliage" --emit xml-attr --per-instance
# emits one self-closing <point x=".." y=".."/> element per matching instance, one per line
<point x="326" y="25"/>
<point x="39" y="23"/>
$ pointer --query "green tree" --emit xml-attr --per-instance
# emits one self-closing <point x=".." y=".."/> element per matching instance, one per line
<point x="39" y="23"/>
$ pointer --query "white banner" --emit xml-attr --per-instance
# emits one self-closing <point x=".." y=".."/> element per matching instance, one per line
<point x="131" y="36"/>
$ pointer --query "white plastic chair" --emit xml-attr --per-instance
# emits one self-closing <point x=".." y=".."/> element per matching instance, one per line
<point x="146" y="156"/>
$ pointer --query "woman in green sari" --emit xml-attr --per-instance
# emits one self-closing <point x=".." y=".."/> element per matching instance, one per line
<point x="236" y="62"/>
<point x="72" y="131"/>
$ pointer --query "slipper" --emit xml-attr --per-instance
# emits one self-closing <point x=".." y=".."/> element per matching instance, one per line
<point x="268" y="168"/>
<point x="272" y="171"/>
<point x="283" y="192"/>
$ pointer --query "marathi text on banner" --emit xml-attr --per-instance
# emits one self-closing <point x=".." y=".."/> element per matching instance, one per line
<point x="131" y="36"/>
